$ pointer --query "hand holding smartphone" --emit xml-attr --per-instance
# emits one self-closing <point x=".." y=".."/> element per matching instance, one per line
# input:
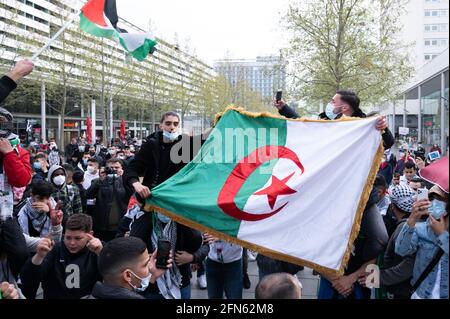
<point x="279" y="96"/>
<point x="163" y="253"/>
<point x="422" y="193"/>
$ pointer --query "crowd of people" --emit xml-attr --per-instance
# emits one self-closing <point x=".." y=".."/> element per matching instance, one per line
<point x="72" y="222"/>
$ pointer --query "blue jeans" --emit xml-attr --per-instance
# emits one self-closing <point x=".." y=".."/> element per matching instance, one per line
<point x="222" y="278"/>
<point x="185" y="294"/>
<point x="326" y="291"/>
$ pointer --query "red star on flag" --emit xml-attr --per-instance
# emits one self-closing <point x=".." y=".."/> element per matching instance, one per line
<point x="277" y="188"/>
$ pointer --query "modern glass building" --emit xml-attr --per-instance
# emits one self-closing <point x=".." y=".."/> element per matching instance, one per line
<point x="423" y="106"/>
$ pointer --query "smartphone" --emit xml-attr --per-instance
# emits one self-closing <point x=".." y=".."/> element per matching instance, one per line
<point x="434" y="156"/>
<point x="279" y="96"/>
<point x="422" y="193"/>
<point x="163" y="253"/>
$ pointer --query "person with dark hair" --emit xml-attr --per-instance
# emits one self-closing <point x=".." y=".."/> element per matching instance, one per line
<point x="78" y="179"/>
<point x="34" y="218"/>
<point x="429" y="242"/>
<point x="67" y="194"/>
<point x="372" y="237"/>
<point x="13" y="255"/>
<point x="344" y="102"/>
<point x="111" y="200"/>
<point x="416" y="183"/>
<point x="126" y="268"/>
<point x="155" y="164"/>
<point x="396" y="271"/>
<point x="405" y="157"/>
<point x="383" y="200"/>
<point x="67" y="270"/>
<point x="409" y="172"/>
<point x="386" y="170"/>
<point x="70" y="170"/>
<point x="15" y="168"/>
<point x="40" y="167"/>
<point x="91" y="173"/>
<point x="8" y="83"/>
<point x="279" y="286"/>
<point x="71" y="150"/>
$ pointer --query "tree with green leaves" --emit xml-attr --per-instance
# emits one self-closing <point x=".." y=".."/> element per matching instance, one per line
<point x="347" y="44"/>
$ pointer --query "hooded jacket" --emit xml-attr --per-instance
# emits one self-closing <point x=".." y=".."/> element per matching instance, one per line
<point x="68" y="195"/>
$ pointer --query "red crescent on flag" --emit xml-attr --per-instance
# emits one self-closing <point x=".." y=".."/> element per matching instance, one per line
<point x="242" y="171"/>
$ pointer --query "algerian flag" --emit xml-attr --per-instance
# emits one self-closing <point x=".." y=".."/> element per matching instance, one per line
<point x="294" y="190"/>
<point x="99" y="18"/>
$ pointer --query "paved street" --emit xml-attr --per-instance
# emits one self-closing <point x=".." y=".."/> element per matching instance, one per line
<point x="310" y="284"/>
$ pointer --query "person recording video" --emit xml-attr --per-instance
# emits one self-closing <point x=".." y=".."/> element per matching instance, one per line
<point x="111" y="200"/>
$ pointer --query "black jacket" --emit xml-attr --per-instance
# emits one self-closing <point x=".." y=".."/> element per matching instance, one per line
<point x="103" y="291"/>
<point x="104" y="191"/>
<point x="372" y="238"/>
<point x="7" y="85"/>
<point x="70" y="150"/>
<point x="152" y="161"/>
<point x="272" y="266"/>
<point x="188" y="239"/>
<point x="388" y="138"/>
<point x="13" y="245"/>
<point x="58" y="267"/>
<point x="397" y="270"/>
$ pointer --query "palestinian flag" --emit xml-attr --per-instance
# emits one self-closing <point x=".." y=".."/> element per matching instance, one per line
<point x="294" y="190"/>
<point x="99" y="18"/>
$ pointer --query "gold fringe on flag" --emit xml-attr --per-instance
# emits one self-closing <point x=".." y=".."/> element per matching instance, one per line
<point x="274" y="254"/>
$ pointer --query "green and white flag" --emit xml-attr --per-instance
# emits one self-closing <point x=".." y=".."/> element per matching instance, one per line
<point x="99" y="18"/>
<point x="294" y="190"/>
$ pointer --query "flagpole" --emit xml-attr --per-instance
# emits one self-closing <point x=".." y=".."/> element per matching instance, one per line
<point x="57" y="34"/>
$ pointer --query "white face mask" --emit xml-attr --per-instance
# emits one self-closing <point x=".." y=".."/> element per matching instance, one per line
<point x="144" y="282"/>
<point x="329" y="111"/>
<point x="59" y="180"/>
<point x="91" y="170"/>
<point x="171" y="136"/>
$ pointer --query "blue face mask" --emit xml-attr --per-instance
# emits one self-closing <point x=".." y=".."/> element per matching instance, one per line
<point x="144" y="282"/>
<point x="163" y="219"/>
<point x="329" y="111"/>
<point x="37" y="166"/>
<point x="85" y="161"/>
<point x="171" y="136"/>
<point x="437" y="209"/>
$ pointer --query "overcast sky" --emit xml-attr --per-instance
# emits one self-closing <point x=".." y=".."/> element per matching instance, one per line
<point x="214" y="28"/>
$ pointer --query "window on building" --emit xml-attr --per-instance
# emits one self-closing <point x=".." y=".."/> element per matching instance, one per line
<point x="434" y="13"/>
<point x="427" y="57"/>
<point x="433" y="42"/>
<point x="427" y="27"/>
<point x="427" y="42"/>
<point x="427" y="13"/>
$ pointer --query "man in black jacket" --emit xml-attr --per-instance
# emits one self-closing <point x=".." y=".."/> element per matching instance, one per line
<point x="9" y="82"/>
<point x="13" y="252"/>
<point x="111" y="201"/>
<point x="345" y="102"/>
<point x="67" y="270"/>
<point x="156" y="164"/>
<point x="373" y="236"/>
<point x="127" y="269"/>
